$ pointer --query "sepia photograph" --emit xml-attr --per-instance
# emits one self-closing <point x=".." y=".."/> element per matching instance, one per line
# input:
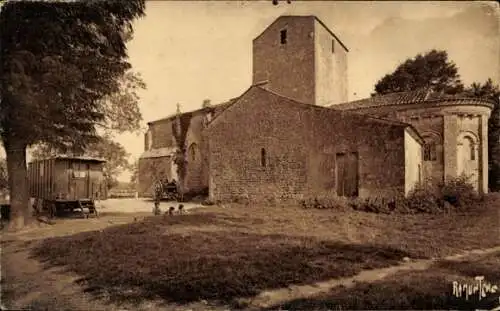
<point x="250" y="155"/>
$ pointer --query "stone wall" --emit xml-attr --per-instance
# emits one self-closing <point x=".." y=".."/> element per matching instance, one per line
<point x="446" y="122"/>
<point x="380" y="148"/>
<point x="290" y="67"/>
<point x="236" y="145"/>
<point x="196" y="174"/>
<point x="413" y="163"/>
<point x="268" y="147"/>
<point x="311" y="67"/>
<point x="162" y="137"/>
<point x="330" y="68"/>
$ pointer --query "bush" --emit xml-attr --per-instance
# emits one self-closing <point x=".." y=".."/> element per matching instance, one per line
<point x="455" y="194"/>
<point x="459" y="192"/>
<point x="326" y="202"/>
<point x="373" y="205"/>
<point x="423" y="200"/>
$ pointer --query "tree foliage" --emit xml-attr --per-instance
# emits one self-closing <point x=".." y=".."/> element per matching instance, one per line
<point x="121" y="109"/>
<point x="134" y="177"/>
<point x="432" y="69"/>
<point x="122" y="114"/>
<point x="180" y="129"/>
<point x="59" y="63"/>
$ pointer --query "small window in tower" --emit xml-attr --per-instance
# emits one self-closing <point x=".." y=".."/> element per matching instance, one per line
<point x="333" y="46"/>
<point x="472" y="152"/>
<point x="283" y="36"/>
<point x="263" y="157"/>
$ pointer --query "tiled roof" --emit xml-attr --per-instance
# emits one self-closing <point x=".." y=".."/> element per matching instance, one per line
<point x="290" y="101"/>
<point x="404" y="98"/>
<point x="77" y="158"/>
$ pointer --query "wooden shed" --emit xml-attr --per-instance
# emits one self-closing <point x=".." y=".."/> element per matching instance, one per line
<point x="67" y="181"/>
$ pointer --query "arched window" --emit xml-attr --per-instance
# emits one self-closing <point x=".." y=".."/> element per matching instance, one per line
<point x="263" y="157"/>
<point x="431" y="142"/>
<point x="469" y="145"/>
<point x="430" y="151"/>
<point x="192" y="152"/>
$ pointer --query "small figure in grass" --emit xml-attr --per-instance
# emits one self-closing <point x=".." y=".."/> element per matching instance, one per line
<point x="181" y="208"/>
<point x="171" y="210"/>
<point x="158" y="194"/>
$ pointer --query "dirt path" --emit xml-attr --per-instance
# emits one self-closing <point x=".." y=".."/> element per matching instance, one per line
<point x="270" y="298"/>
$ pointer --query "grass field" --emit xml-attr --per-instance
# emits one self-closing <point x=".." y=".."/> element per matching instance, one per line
<point x="430" y="289"/>
<point x="219" y="254"/>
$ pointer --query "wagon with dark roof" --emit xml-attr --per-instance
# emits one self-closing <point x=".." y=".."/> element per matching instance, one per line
<point x="67" y="185"/>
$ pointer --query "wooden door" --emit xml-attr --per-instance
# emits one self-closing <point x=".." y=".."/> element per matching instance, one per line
<point x="340" y="162"/>
<point x="79" y="181"/>
<point x="347" y="174"/>
<point x="352" y="175"/>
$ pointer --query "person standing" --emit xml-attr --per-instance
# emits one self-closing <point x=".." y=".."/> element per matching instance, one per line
<point x="158" y="195"/>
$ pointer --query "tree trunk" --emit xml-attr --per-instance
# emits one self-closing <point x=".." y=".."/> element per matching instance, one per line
<point x="18" y="186"/>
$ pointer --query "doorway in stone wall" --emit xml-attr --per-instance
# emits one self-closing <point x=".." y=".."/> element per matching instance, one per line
<point x="467" y="158"/>
<point x="347" y="174"/>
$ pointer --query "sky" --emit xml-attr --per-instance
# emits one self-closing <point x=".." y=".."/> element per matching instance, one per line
<point x="188" y="51"/>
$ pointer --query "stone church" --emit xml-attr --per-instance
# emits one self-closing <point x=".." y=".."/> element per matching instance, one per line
<point x="293" y="134"/>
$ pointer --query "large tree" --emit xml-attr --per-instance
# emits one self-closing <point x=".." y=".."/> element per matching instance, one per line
<point x="121" y="108"/>
<point x="489" y="90"/>
<point x="58" y="62"/>
<point x="432" y="69"/>
<point x="122" y="114"/>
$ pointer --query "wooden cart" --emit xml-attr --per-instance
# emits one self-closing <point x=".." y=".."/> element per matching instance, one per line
<point x="170" y="191"/>
<point x="67" y="184"/>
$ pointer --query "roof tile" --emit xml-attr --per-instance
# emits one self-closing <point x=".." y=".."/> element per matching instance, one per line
<point x="403" y="98"/>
